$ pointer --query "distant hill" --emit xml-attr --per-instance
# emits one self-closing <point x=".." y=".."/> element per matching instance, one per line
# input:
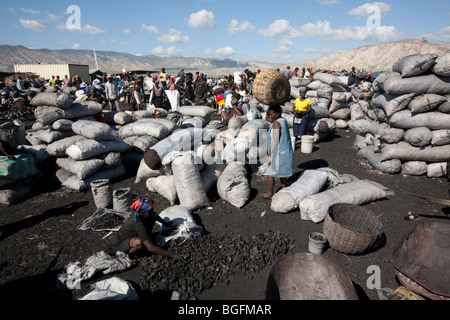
<point x="115" y="62"/>
<point x="372" y="58"/>
<point x="376" y="57"/>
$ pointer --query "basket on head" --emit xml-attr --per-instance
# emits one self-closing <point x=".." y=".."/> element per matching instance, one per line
<point x="351" y="229"/>
<point x="271" y="87"/>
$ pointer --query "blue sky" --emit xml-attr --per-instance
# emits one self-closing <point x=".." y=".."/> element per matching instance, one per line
<point x="273" y="31"/>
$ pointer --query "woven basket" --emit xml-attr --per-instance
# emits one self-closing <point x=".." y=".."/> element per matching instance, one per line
<point x="271" y="88"/>
<point x="351" y="229"/>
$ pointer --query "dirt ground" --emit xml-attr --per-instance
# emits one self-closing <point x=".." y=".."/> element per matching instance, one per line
<point x="39" y="236"/>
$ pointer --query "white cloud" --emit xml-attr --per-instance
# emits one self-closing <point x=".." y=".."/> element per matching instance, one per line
<point x="324" y="31"/>
<point x="76" y="46"/>
<point x="166" y="52"/>
<point x="126" y="31"/>
<point x="12" y="10"/>
<point x="444" y="34"/>
<point x="285" y="46"/>
<point x="225" y="52"/>
<point x="280" y="28"/>
<point x="235" y="26"/>
<point x="203" y="20"/>
<point x="328" y="1"/>
<point x="364" y="12"/>
<point x="308" y="50"/>
<point x="150" y="29"/>
<point x="51" y="17"/>
<point x="319" y="51"/>
<point x="84" y="29"/>
<point x="32" y="25"/>
<point x="30" y="11"/>
<point x="173" y="36"/>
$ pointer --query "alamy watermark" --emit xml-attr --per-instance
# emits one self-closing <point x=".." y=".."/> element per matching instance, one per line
<point x="74" y="20"/>
<point x="374" y="280"/>
<point x="374" y="19"/>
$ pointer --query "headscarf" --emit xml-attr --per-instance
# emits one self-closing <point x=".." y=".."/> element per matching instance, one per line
<point x="141" y="206"/>
<point x="303" y="89"/>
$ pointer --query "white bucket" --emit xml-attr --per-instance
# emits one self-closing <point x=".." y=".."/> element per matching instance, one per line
<point x="307" y="144"/>
<point x="317" y="242"/>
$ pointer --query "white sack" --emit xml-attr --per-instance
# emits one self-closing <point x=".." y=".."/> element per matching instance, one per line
<point x="86" y="149"/>
<point x="396" y="85"/>
<point x="196" y="111"/>
<point x="391" y="104"/>
<point x="405" y="152"/>
<point x="233" y="185"/>
<point x="418" y="137"/>
<point x="388" y="166"/>
<point x="52" y="99"/>
<point x="144" y="172"/>
<point x="164" y="186"/>
<point x="329" y="79"/>
<point x="75" y="183"/>
<point x="82" y="169"/>
<point x="437" y="170"/>
<point x="308" y="183"/>
<point x="426" y="102"/>
<point x="188" y="182"/>
<point x="442" y="65"/>
<point x="360" y="192"/>
<point x="94" y="130"/>
<point x="433" y="120"/>
<point x="236" y="150"/>
<point x="184" y="222"/>
<point x="58" y="148"/>
<point x="414" y="65"/>
<point x="440" y="137"/>
<point x="414" y="168"/>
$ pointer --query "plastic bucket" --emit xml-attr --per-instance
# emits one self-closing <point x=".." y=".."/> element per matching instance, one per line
<point x="317" y="242"/>
<point x="307" y="144"/>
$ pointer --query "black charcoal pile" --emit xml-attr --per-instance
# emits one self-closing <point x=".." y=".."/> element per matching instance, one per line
<point x="212" y="260"/>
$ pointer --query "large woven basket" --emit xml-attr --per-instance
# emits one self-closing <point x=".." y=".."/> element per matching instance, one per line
<point x="351" y="229"/>
<point x="271" y="88"/>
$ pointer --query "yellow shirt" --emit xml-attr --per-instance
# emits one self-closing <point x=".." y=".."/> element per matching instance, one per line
<point x="163" y="76"/>
<point x="302" y="105"/>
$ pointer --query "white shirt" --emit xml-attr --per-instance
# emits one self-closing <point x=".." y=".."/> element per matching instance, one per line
<point x="111" y="90"/>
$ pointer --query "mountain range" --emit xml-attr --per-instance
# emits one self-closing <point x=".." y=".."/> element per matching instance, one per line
<point x="379" y="57"/>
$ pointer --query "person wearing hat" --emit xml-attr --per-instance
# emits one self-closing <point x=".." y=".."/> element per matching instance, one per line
<point x="58" y="81"/>
<point x="280" y="154"/>
<point x="80" y="91"/>
<point x="301" y="110"/>
<point x="135" y="233"/>
<point x="76" y="81"/>
<point x="53" y="81"/>
<point x="307" y="74"/>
